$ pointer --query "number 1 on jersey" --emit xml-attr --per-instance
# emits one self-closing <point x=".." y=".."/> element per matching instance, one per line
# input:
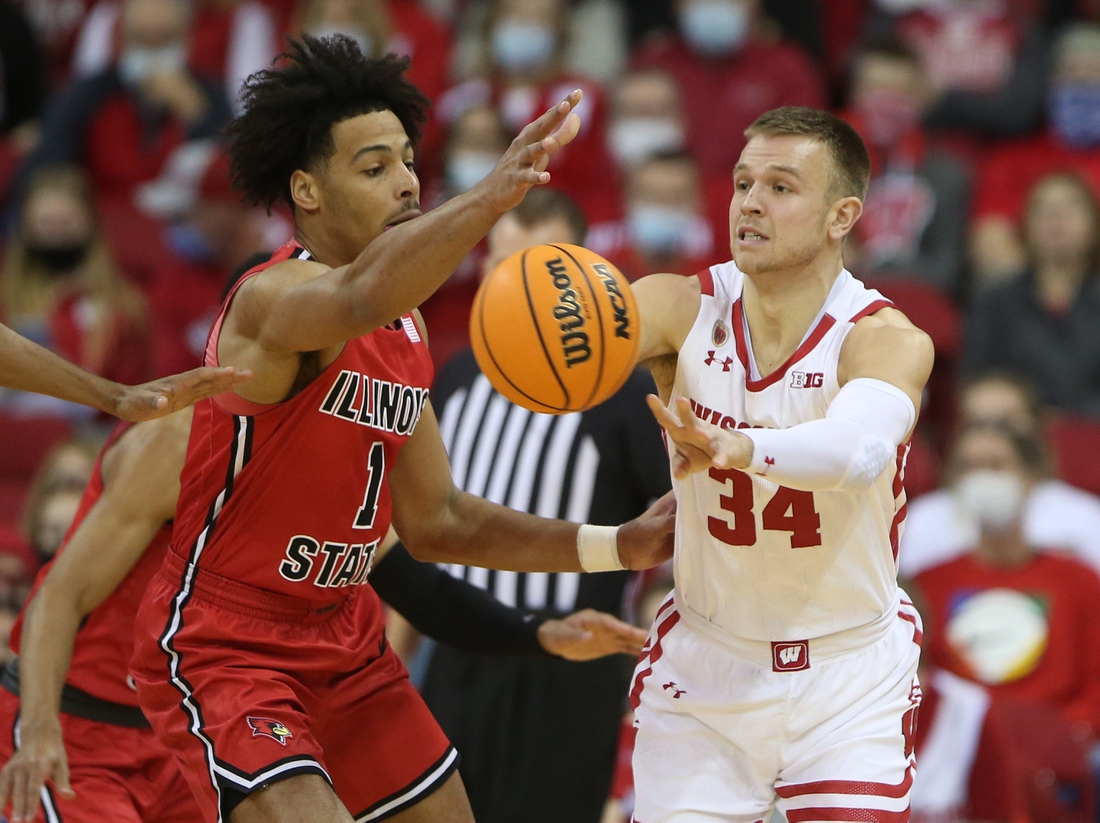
<point x="376" y="470"/>
<point x="789" y="510"/>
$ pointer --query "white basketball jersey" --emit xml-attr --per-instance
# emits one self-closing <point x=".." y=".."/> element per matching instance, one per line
<point x="755" y="559"/>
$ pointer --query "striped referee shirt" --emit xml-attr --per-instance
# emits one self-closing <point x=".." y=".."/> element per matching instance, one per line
<point x="602" y="466"/>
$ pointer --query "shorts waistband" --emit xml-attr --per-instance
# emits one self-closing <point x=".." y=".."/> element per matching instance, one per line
<point x="822" y="648"/>
<point x="241" y="598"/>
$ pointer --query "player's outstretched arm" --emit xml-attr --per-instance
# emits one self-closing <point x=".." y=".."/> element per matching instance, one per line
<point x="26" y="366"/>
<point x="460" y="614"/>
<point x="405" y="265"/>
<point x="141" y="484"/>
<point x="884" y="364"/>
<point x="440" y="523"/>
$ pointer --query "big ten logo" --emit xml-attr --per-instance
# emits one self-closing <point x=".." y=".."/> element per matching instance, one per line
<point x="807" y="379"/>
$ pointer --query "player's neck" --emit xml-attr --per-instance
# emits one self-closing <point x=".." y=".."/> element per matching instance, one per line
<point x="321" y="246"/>
<point x="780" y="306"/>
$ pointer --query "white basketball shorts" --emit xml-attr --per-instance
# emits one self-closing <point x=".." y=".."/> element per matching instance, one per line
<point x="729" y="729"/>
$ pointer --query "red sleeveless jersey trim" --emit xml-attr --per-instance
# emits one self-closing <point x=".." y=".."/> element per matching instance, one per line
<point x="294" y="498"/>
<point x="820" y="330"/>
<point x="104" y="643"/>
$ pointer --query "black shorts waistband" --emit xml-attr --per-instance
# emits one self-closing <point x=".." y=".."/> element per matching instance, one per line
<point x="79" y="703"/>
<point x="241" y="598"/>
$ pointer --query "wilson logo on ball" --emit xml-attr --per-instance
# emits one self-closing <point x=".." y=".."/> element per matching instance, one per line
<point x="574" y="342"/>
<point x="554" y="328"/>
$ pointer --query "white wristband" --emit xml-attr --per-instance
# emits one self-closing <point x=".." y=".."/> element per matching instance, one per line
<point x="598" y="548"/>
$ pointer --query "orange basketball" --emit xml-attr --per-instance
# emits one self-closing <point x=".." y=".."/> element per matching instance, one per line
<point x="555" y="328"/>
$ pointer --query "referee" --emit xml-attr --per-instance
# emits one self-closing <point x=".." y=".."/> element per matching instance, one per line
<point x="538" y="735"/>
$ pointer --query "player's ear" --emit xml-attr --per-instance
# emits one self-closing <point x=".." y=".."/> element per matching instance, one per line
<point x="845" y="212"/>
<point x="305" y="191"/>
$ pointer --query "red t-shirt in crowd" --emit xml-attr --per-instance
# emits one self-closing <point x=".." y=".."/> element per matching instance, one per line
<point x="184" y="299"/>
<point x="1007" y="176"/>
<point x="975" y="603"/>
<point x="722" y="97"/>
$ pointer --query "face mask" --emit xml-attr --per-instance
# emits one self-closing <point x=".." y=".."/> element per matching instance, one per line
<point x="1075" y="113"/>
<point x="466" y="170"/>
<point x="992" y="498"/>
<point x="522" y="46"/>
<point x="137" y="63"/>
<point x="636" y="138"/>
<point x="354" y="32"/>
<point x="659" y="229"/>
<point x="715" y="28"/>
<point x="888" y="116"/>
<point x="58" y="259"/>
<point x="189" y="243"/>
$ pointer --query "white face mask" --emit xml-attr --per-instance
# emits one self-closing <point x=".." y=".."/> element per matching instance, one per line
<point x="357" y="34"/>
<point x="660" y="229"/>
<point x="519" y="46"/>
<point x="992" y="498"/>
<point x="466" y="169"/>
<point x="137" y="63"/>
<point x="715" y="28"/>
<point x="636" y="138"/>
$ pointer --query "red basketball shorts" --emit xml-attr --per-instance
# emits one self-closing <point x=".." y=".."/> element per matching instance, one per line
<point x="247" y="687"/>
<point x="119" y="774"/>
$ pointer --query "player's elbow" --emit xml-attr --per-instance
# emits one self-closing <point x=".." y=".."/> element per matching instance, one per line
<point x="866" y="462"/>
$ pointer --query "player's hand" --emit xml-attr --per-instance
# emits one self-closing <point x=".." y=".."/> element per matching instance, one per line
<point x="523" y="165"/>
<point x="169" y="394"/>
<point x="40" y="758"/>
<point x="647" y="540"/>
<point x="588" y="634"/>
<point x="699" y="445"/>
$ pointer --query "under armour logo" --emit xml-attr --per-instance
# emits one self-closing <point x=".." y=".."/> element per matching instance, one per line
<point x="725" y="363"/>
<point x="676" y="692"/>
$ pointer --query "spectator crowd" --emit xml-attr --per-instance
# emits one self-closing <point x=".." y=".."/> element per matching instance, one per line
<point x="119" y="229"/>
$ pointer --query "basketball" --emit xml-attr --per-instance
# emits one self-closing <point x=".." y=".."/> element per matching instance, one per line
<point x="555" y="328"/>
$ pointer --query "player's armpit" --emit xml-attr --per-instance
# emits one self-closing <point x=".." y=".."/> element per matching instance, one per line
<point x="887" y="346"/>
<point x="668" y="304"/>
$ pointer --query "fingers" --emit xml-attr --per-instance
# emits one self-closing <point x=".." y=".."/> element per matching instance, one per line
<point x="552" y="119"/>
<point x="61" y="779"/>
<point x="5" y="784"/>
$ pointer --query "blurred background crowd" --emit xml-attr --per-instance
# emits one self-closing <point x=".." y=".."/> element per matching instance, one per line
<point x="119" y="230"/>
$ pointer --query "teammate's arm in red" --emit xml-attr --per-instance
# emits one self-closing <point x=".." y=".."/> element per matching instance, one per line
<point x="299" y="311"/>
<point x="884" y="364"/>
<point x="440" y="523"/>
<point x="26" y="366"/>
<point x="141" y="485"/>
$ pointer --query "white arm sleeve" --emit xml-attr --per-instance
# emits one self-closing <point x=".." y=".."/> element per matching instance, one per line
<point x="847" y="449"/>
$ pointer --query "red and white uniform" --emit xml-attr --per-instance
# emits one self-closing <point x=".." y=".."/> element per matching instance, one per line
<point x="119" y="770"/>
<point x="783" y="668"/>
<point x="260" y="650"/>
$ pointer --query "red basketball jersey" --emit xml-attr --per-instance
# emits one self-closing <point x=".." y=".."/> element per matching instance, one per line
<point x="104" y="644"/>
<point x="293" y="497"/>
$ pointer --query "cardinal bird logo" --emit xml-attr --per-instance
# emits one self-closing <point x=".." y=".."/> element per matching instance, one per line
<point x="266" y="727"/>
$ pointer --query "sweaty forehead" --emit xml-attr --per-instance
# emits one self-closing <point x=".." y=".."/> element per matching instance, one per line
<point x="807" y="156"/>
<point x="375" y="129"/>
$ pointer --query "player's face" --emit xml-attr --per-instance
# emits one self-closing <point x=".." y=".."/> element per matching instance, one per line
<point x="779" y="211"/>
<point x="509" y="236"/>
<point x="369" y="183"/>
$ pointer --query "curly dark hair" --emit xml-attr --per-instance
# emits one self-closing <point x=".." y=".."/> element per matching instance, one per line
<point x="290" y="111"/>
